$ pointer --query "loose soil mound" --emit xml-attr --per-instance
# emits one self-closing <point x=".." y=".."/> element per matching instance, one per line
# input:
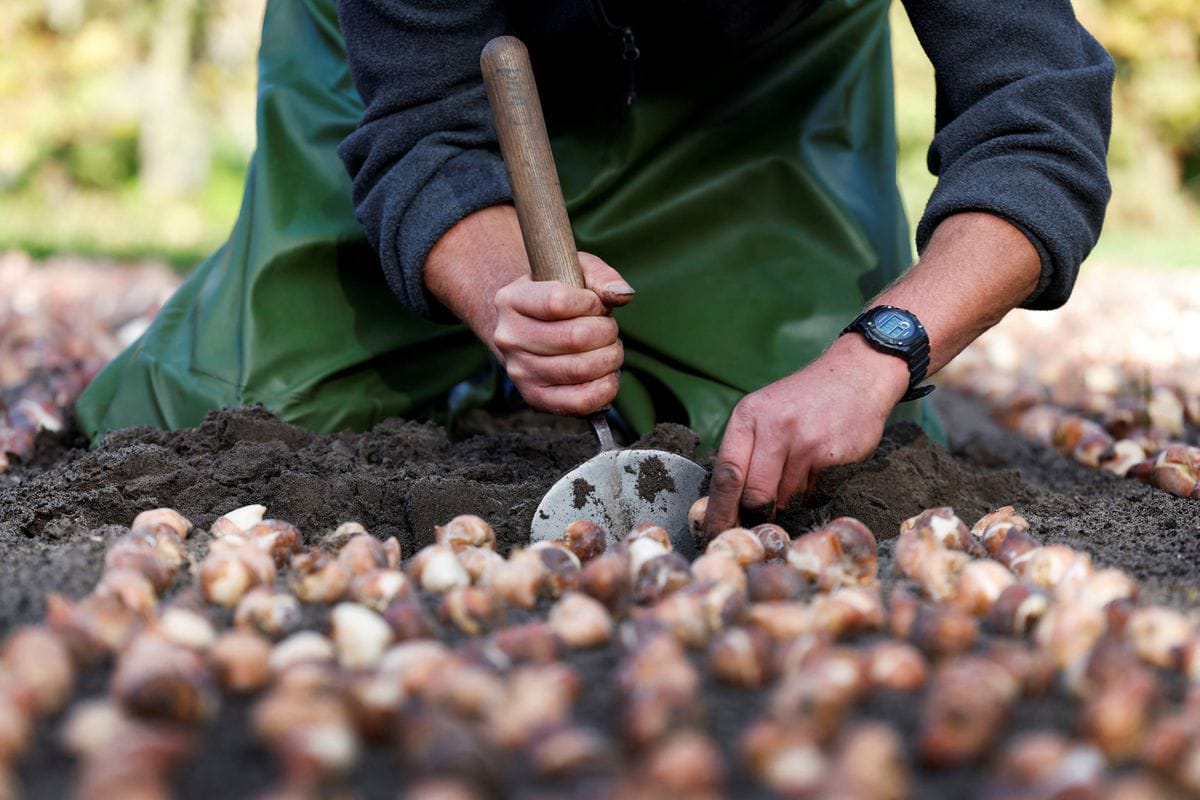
<point x="58" y="513"/>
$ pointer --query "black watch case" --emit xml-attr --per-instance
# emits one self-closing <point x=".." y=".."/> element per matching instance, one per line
<point x="899" y="332"/>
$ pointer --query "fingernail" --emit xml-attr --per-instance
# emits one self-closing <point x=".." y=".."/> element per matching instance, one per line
<point x="619" y="287"/>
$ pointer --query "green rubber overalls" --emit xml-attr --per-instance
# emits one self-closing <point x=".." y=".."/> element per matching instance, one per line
<point x="753" y="217"/>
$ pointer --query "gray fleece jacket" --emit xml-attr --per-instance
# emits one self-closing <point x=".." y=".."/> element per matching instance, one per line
<point x="1023" y="108"/>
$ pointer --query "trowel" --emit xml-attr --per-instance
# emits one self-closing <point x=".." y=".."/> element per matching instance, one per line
<point x="616" y="489"/>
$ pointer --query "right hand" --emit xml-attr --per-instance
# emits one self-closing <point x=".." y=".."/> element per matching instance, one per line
<point x="559" y="344"/>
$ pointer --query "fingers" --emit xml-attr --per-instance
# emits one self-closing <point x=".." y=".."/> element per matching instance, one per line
<point x="797" y="478"/>
<point x="565" y="370"/>
<point x="763" y="477"/>
<point x="549" y="300"/>
<point x="605" y="281"/>
<point x="729" y="474"/>
<point x="558" y="343"/>
<point x="576" y="400"/>
<point x="566" y="337"/>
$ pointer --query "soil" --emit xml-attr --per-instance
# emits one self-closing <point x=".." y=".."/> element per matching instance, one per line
<point x="59" y="512"/>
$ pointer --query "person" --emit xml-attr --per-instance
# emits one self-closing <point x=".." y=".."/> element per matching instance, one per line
<point x="734" y="163"/>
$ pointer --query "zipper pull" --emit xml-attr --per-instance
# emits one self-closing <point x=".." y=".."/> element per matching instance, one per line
<point x="629" y="54"/>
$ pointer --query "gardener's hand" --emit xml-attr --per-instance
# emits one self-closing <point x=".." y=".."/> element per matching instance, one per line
<point x="975" y="268"/>
<point x="559" y="344"/>
<point x="780" y="438"/>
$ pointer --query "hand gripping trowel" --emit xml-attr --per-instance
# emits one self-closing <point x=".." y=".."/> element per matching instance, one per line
<point x="616" y="489"/>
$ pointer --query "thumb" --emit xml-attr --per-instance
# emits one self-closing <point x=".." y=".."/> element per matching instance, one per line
<point x="605" y="281"/>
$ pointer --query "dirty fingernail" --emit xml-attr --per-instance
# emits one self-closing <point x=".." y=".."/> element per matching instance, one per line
<point x="619" y="287"/>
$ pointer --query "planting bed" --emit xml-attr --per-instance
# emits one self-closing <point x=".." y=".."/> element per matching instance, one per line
<point x="64" y="507"/>
<point x="59" y="513"/>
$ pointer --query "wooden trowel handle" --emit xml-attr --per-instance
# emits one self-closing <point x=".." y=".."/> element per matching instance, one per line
<point x="526" y="149"/>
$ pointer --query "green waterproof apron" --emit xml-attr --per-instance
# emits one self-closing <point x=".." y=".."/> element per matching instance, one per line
<point x="754" y="216"/>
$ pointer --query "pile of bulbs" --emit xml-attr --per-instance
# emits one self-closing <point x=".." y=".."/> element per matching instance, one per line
<point x="460" y="660"/>
<point x="60" y="322"/>
<point x="1111" y="380"/>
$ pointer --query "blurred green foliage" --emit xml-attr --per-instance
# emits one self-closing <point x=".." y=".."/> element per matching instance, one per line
<point x="128" y="124"/>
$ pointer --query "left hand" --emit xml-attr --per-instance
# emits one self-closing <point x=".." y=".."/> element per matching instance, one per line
<point x="975" y="269"/>
<point x="781" y="437"/>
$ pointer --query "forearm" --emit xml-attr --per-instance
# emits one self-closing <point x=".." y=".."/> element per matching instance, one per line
<point x="976" y="269"/>
<point x="557" y="343"/>
<point x="472" y="261"/>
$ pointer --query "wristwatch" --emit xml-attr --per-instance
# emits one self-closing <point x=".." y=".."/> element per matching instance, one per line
<point x="893" y="330"/>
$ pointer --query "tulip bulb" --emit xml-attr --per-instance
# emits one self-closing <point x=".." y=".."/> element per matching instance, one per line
<point x="317" y="577"/>
<point x="38" y="659"/>
<point x="240" y="661"/>
<point x="743" y="544"/>
<point x="271" y="613"/>
<point x="466" y="530"/>
<point x="359" y="634"/>
<point x="775" y="541"/>
<point x="378" y="588"/>
<point x="155" y="678"/>
<point x="278" y="539"/>
<point x="239" y="520"/>
<point x="163" y="516"/>
<point x="586" y="539"/>
<point x="477" y="561"/>
<point x="470" y="609"/>
<point x="580" y="621"/>
<point x="696" y="516"/>
<point x="896" y="666"/>
<point x="740" y="656"/>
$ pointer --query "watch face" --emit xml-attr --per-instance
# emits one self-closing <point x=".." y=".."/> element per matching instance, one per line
<point x="897" y="326"/>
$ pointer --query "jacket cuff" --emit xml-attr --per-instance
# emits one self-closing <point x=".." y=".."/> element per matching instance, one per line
<point x="471" y="181"/>
<point x="1042" y="207"/>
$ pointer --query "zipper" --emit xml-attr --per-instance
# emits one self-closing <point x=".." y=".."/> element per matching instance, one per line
<point x="629" y="51"/>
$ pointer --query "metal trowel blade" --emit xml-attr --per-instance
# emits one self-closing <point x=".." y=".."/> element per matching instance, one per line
<point x="619" y="489"/>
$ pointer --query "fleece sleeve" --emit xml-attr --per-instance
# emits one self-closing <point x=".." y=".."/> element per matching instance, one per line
<point x="1024" y="111"/>
<point x="424" y="155"/>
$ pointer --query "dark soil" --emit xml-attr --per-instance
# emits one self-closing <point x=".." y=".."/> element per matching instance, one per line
<point x="58" y="513"/>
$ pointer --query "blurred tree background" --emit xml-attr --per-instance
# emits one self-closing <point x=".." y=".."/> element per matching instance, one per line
<point x="128" y="124"/>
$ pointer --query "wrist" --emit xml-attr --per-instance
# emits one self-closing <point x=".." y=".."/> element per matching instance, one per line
<point x="472" y="261"/>
<point x="882" y="374"/>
